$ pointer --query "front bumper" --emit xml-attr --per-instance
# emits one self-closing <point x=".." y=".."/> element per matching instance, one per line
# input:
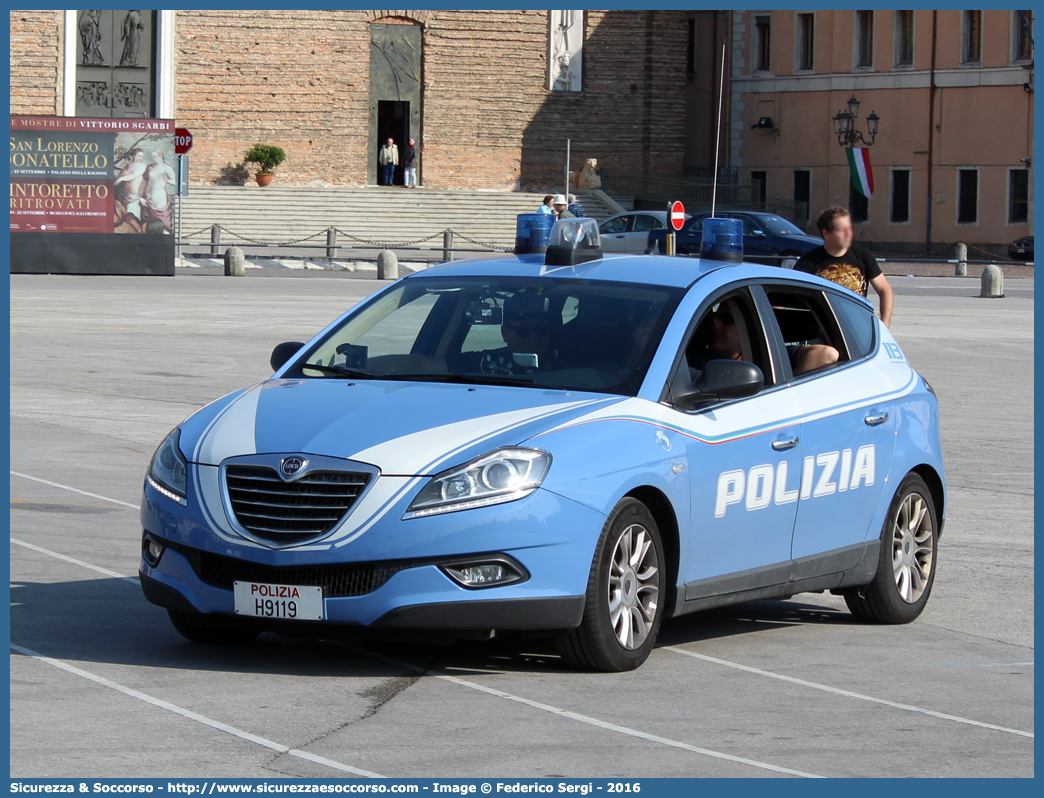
<point x="552" y="538"/>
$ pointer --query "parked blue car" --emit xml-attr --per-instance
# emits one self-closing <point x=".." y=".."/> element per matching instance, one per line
<point x="579" y="447"/>
<point x="767" y="238"/>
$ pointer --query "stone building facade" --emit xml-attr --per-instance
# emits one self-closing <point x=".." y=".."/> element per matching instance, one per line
<point x="953" y="158"/>
<point x="326" y="86"/>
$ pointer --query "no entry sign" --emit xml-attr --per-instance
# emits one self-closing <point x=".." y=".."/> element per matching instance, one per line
<point x="182" y="140"/>
<point x="677" y="215"/>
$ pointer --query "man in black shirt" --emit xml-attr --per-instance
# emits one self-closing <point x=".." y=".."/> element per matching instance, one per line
<point x="844" y="262"/>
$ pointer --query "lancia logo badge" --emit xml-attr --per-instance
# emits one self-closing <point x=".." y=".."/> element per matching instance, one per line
<point x="291" y="466"/>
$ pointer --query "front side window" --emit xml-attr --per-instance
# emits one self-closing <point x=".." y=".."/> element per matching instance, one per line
<point x="527" y="331"/>
<point x="809" y="329"/>
<point x="618" y="225"/>
<point x="729" y="330"/>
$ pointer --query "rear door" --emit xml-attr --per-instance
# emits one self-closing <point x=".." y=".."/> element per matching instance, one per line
<point x="848" y="426"/>
<point x="643" y="224"/>
<point x="744" y="465"/>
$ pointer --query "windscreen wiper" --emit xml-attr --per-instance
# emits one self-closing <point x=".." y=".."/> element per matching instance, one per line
<point x="478" y="379"/>
<point x="338" y="371"/>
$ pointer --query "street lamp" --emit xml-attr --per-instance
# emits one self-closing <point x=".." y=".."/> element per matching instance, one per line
<point x="845" y="129"/>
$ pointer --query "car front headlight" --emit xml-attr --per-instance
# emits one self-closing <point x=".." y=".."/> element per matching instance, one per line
<point x="168" y="471"/>
<point x="503" y="475"/>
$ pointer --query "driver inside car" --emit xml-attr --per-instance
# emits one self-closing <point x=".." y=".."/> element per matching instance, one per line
<point x="527" y="331"/>
<point x="726" y="345"/>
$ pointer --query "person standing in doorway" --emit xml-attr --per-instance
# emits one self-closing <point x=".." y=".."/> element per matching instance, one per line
<point x="844" y="262"/>
<point x="409" y="165"/>
<point x="388" y="159"/>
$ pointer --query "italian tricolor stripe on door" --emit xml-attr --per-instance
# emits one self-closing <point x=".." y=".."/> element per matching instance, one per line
<point x="859" y="166"/>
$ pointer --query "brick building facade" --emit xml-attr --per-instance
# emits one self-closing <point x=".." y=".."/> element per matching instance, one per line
<point x="302" y="80"/>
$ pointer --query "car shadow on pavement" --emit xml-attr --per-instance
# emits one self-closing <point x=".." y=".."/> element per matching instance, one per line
<point x="108" y="621"/>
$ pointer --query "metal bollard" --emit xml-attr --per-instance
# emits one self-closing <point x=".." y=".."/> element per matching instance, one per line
<point x="235" y="263"/>
<point x="387" y="265"/>
<point x="331" y="242"/>
<point x="447" y="246"/>
<point x="992" y="282"/>
<point x="962" y="260"/>
<point x="215" y="241"/>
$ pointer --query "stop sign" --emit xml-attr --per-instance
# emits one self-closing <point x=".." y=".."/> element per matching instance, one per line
<point x="677" y="215"/>
<point x="182" y="140"/>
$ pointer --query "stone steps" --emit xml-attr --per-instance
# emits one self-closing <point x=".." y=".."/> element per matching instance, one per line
<point x="284" y="214"/>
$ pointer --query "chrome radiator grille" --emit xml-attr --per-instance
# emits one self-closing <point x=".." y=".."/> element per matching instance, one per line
<point x="284" y="513"/>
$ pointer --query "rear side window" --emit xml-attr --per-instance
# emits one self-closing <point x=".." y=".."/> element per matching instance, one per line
<point x="858" y="321"/>
<point x="645" y="222"/>
<point x="808" y="328"/>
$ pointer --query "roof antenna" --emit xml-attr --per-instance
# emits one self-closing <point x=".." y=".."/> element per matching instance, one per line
<point x="717" y="136"/>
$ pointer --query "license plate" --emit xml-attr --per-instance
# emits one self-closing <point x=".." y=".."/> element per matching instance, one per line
<point x="289" y="602"/>
<point x="1020" y="250"/>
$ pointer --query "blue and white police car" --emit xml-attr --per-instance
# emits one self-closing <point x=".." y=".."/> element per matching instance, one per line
<point x="559" y="443"/>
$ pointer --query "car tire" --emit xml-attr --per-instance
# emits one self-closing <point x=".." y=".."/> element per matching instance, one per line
<point x="192" y="626"/>
<point x="789" y="259"/>
<point x="623" y="608"/>
<point x="907" y="561"/>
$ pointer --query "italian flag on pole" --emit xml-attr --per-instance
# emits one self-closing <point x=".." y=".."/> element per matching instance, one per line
<point x="859" y="167"/>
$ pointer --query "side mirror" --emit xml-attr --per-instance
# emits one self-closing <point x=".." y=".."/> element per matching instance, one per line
<point x="283" y="352"/>
<point x="721" y="380"/>
<point x="759" y="232"/>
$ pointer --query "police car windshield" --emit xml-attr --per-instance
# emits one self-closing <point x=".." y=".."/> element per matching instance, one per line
<point x="540" y="332"/>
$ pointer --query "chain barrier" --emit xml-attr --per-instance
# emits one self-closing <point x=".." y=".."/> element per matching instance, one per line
<point x="384" y="244"/>
<point x="995" y="257"/>
<point x="201" y="230"/>
<point x="343" y="234"/>
<point x="478" y="243"/>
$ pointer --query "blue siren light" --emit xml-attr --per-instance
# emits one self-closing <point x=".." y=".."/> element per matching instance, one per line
<point x="722" y="240"/>
<point x="532" y="232"/>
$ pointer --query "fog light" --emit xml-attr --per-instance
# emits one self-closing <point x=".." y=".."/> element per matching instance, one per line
<point x="489" y="573"/>
<point x="152" y="550"/>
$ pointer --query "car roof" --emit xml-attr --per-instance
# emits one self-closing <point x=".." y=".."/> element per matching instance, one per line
<point x="726" y="214"/>
<point x="663" y="270"/>
<point x="660" y="214"/>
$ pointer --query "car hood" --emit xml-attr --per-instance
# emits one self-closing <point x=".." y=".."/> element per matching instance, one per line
<point x="403" y="428"/>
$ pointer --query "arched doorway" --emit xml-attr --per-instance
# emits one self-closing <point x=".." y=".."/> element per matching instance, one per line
<point x="396" y="79"/>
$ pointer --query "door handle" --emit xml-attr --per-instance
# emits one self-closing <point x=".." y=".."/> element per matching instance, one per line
<point x="789" y="443"/>
<point x="873" y="421"/>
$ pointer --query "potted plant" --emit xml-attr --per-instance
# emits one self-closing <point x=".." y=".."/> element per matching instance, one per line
<point x="267" y="158"/>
